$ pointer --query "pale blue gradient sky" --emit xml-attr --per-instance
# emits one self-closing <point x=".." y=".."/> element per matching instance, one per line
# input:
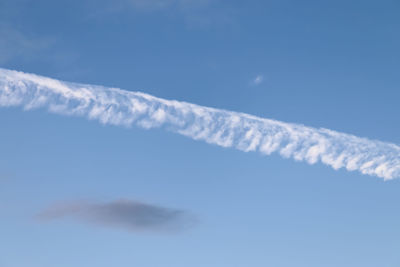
<point x="325" y="64"/>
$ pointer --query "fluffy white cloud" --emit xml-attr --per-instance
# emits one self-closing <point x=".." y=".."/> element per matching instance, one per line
<point x="225" y="128"/>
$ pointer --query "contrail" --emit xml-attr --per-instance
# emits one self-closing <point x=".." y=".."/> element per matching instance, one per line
<point x="215" y="126"/>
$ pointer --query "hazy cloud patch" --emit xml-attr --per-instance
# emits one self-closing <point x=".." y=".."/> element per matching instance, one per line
<point x="125" y="214"/>
<point x="16" y="44"/>
<point x="194" y="13"/>
<point x="185" y="5"/>
<point x="259" y="79"/>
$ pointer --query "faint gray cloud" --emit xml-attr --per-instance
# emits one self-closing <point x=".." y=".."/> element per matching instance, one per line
<point x="124" y="214"/>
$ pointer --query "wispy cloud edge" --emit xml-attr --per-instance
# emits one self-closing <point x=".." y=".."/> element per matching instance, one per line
<point x="221" y="127"/>
<point x="16" y="44"/>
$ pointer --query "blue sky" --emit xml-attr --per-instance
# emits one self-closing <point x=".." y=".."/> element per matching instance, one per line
<point x="323" y="64"/>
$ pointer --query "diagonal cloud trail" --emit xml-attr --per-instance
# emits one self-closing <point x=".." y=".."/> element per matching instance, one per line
<point x="215" y="126"/>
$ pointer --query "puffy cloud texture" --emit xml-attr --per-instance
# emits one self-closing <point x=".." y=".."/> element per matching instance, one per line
<point x="215" y="126"/>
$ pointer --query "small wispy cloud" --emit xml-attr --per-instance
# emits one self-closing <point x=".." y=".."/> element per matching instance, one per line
<point x="194" y="13"/>
<point x="259" y="79"/>
<point x="163" y="4"/>
<point x="125" y="214"/>
<point x="215" y="126"/>
<point x="16" y="44"/>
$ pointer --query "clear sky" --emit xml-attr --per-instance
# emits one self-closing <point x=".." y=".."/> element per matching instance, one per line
<point x="332" y="64"/>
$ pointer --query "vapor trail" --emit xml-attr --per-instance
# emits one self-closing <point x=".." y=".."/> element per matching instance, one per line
<point x="215" y="126"/>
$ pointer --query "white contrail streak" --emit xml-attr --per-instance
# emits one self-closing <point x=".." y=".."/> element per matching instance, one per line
<point x="215" y="126"/>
